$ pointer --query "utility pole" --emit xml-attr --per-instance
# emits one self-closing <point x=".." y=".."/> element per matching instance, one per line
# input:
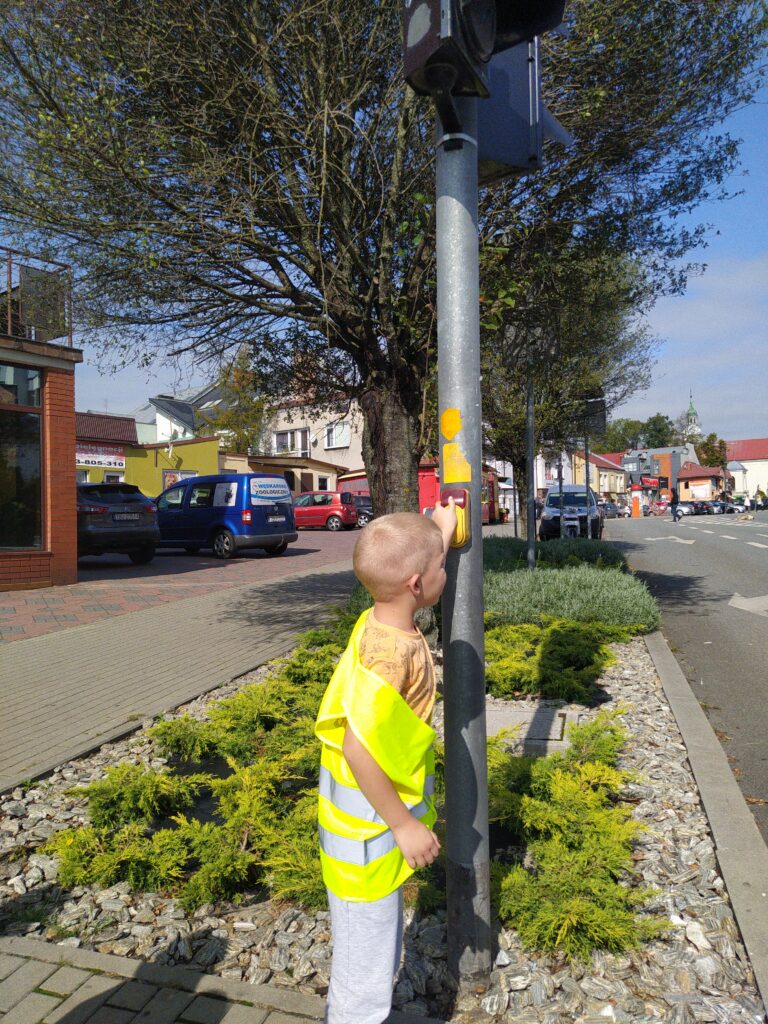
<point x="458" y="348"/>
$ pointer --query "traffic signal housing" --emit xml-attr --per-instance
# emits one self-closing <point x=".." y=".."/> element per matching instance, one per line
<point x="448" y="43"/>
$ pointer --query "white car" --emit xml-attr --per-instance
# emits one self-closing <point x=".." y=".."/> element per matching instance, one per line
<point x="684" y="508"/>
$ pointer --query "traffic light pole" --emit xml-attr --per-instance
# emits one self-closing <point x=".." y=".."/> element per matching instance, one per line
<point x="458" y="334"/>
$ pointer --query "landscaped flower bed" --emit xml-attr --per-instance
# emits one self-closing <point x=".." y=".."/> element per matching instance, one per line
<point x="199" y="841"/>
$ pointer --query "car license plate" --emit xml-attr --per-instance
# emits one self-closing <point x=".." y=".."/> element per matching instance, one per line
<point x="275" y="519"/>
<point x="122" y="516"/>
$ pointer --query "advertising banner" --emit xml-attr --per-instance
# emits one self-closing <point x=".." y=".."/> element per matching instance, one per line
<point x="107" y="456"/>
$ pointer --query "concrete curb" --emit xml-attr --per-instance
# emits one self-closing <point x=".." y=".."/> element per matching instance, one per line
<point x="293" y="1004"/>
<point x="740" y="849"/>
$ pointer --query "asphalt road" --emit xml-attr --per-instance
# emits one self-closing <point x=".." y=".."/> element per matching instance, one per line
<point x="710" y="576"/>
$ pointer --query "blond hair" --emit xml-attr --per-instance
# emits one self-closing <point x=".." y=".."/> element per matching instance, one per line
<point x="392" y="549"/>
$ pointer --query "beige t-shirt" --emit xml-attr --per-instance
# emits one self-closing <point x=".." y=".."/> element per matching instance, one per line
<point x="404" y="660"/>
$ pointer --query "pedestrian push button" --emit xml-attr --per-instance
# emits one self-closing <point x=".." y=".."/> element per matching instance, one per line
<point x="461" y="504"/>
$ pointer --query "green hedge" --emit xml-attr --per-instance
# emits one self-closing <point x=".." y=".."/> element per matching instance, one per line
<point x="506" y="554"/>
<point x="580" y="593"/>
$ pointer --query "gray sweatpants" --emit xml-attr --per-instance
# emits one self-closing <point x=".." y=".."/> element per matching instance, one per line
<point x="367" y="942"/>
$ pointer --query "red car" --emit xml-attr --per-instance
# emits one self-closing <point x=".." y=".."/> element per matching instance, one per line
<point x="333" y="510"/>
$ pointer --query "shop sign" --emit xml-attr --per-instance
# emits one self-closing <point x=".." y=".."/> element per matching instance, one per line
<point x="651" y="482"/>
<point x="106" y="456"/>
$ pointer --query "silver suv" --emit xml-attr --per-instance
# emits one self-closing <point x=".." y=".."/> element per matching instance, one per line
<point x="581" y="516"/>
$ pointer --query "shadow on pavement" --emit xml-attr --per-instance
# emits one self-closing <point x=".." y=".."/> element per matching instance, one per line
<point x="94" y="568"/>
<point x="293" y="603"/>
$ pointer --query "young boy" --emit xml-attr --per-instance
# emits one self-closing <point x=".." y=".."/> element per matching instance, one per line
<point x="377" y="769"/>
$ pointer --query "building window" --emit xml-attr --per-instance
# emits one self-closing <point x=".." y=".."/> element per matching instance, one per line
<point x="290" y="479"/>
<point x="337" y="435"/>
<point x="81" y="476"/>
<point x="21" y="497"/>
<point x="295" y="442"/>
<point x="322" y="483"/>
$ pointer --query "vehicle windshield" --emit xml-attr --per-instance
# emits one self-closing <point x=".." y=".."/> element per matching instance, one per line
<point x="571" y="499"/>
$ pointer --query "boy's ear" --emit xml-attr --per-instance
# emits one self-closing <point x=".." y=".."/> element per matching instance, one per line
<point x="413" y="583"/>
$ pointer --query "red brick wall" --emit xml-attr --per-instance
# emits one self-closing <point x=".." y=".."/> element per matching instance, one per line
<point x="56" y="563"/>
<point x="59" y="501"/>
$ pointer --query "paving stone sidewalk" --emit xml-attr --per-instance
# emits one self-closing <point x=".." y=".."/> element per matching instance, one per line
<point x="45" y="984"/>
<point x="67" y="693"/>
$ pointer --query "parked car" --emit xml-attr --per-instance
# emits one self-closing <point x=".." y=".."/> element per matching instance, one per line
<point x="581" y="516"/>
<point x="699" y="507"/>
<point x="684" y="508"/>
<point x="738" y="505"/>
<point x="116" y="518"/>
<point x="333" y="510"/>
<point x="625" y="511"/>
<point x="364" y="507"/>
<point x="229" y="513"/>
<point x="610" y="510"/>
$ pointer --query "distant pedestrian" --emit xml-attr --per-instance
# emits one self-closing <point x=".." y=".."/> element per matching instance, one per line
<point x="674" y="504"/>
<point x="747" y="503"/>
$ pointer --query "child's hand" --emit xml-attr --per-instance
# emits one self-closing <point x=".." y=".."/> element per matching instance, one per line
<point x="418" y="844"/>
<point x="444" y="516"/>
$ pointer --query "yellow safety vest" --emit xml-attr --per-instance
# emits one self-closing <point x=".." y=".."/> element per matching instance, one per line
<point x="360" y="859"/>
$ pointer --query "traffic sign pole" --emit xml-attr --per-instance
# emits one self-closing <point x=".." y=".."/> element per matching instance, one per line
<point x="458" y="334"/>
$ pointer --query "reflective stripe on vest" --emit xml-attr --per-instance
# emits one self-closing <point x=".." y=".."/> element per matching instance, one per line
<point x="351" y="801"/>
<point x="363" y="851"/>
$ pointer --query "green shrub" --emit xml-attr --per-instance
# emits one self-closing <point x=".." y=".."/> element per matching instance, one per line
<point x="507" y="554"/>
<point x="184" y="737"/>
<point x="223" y="866"/>
<point x="558" y="659"/>
<point x="130" y="792"/>
<point x="578" y="895"/>
<point x="290" y="860"/>
<point x="568" y="907"/>
<point x="582" y="594"/>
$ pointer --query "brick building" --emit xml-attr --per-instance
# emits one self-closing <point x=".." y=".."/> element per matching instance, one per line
<point x="38" y="518"/>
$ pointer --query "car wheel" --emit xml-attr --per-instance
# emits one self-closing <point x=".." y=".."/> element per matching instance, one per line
<point x="278" y="549"/>
<point x="143" y="556"/>
<point x="191" y="549"/>
<point x="363" y="519"/>
<point x="333" y="523"/>
<point x="223" y="544"/>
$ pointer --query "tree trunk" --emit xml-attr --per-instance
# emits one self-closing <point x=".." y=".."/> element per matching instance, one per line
<point x="519" y="468"/>
<point x="391" y="450"/>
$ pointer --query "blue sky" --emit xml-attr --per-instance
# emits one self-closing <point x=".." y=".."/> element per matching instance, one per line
<point x="714" y="338"/>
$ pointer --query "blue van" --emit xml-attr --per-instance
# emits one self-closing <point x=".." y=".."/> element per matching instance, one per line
<point x="228" y="513"/>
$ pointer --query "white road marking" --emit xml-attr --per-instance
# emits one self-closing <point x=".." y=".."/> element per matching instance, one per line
<point x="706" y="531"/>
<point x="756" y="605"/>
<point x="755" y="544"/>
<point x="726" y="536"/>
<point x="678" y="540"/>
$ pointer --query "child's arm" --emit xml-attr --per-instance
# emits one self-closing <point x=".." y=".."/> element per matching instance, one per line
<point x="418" y="844"/>
<point x="444" y="517"/>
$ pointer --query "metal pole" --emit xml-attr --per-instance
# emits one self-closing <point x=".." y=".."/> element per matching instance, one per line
<point x="458" y="338"/>
<point x="514" y="502"/>
<point x="530" y="459"/>
<point x="560" y="487"/>
<point x="586" y="478"/>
